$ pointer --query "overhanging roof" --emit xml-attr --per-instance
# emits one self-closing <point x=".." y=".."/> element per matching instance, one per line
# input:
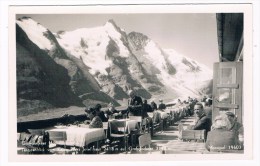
<point x="230" y="36"/>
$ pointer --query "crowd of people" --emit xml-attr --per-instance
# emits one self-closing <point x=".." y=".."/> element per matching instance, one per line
<point x="224" y="130"/>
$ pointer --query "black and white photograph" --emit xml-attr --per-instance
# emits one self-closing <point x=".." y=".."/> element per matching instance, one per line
<point x="129" y="83"/>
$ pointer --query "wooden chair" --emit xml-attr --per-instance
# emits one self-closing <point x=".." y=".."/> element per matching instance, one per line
<point x="145" y="125"/>
<point x="117" y="130"/>
<point x="145" y="140"/>
<point x="191" y="134"/>
<point x="157" y="122"/>
<point x="138" y="119"/>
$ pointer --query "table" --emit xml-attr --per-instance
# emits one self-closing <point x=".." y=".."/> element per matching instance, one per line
<point x="80" y="136"/>
<point x="150" y="114"/>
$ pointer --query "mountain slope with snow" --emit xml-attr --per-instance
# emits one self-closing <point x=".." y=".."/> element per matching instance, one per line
<point x="182" y="75"/>
<point x="105" y="50"/>
<point x="64" y="80"/>
<point x="101" y="64"/>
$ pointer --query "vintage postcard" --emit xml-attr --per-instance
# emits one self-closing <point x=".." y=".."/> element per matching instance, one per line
<point x="130" y="83"/>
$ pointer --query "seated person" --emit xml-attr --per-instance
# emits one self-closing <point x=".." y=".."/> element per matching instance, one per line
<point x="220" y="138"/>
<point x="208" y="108"/>
<point x="156" y="117"/>
<point x="203" y="121"/>
<point x="179" y="102"/>
<point x="135" y="104"/>
<point x="204" y="99"/>
<point x="96" y="121"/>
<point x="190" y="99"/>
<point x="235" y="126"/>
<point x="100" y="113"/>
<point x="111" y="111"/>
<point x="162" y="106"/>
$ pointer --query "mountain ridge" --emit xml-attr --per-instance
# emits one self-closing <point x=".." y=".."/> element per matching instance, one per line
<point x="102" y="63"/>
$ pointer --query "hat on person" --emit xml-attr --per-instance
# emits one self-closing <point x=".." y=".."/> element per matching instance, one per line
<point x="230" y="114"/>
<point x="160" y="100"/>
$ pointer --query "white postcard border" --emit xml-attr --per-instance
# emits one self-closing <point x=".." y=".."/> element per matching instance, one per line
<point x="217" y="8"/>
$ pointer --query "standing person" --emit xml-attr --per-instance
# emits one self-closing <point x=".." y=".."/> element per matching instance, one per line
<point x="192" y="104"/>
<point x="146" y="120"/>
<point x="154" y="106"/>
<point x="162" y="106"/>
<point x="134" y="104"/>
<point x="204" y="99"/>
<point x="203" y="121"/>
<point x="190" y="99"/>
<point x="146" y="108"/>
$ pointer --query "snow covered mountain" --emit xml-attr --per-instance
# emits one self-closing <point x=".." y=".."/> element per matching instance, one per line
<point x="103" y="63"/>
<point x="182" y="75"/>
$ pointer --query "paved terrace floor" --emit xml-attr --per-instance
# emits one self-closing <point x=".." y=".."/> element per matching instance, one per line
<point x="167" y="142"/>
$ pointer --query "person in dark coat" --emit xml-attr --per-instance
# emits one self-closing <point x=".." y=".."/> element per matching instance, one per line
<point x="154" y="106"/>
<point x="208" y="108"/>
<point x="203" y="121"/>
<point x="134" y="104"/>
<point x="146" y="108"/>
<point x="100" y="113"/>
<point x="162" y="106"/>
<point x="145" y="117"/>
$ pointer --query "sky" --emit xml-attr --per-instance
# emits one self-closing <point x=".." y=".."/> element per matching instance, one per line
<point x="192" y="35"/>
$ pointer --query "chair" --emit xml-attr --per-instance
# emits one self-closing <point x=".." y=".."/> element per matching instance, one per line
<point x="35" y="141"/>
<point x="117" y="130"/>
<point x="58" y="136"/>
<point x="145" y="125"/>
<point x="138" y="119"/>
<point x="145" y="140"/>
<point x="36" y="131"/>
<point x="191" y="134"/>
<point x="157" y="122"/>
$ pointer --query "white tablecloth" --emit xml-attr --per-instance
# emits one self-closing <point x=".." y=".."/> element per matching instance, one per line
<point x="164" y="115"/>
<point x="77" y="136"/>
<point x="130" y="124"/>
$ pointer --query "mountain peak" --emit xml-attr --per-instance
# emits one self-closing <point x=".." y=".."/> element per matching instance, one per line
<point x="111" y="21"/>
<point x="37" y="33"/>
<point x="112" y="24"/>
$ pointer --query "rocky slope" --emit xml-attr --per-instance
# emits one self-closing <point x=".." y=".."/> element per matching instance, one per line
<point x="47" y="75"/>
<point x="99" y="65"/>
